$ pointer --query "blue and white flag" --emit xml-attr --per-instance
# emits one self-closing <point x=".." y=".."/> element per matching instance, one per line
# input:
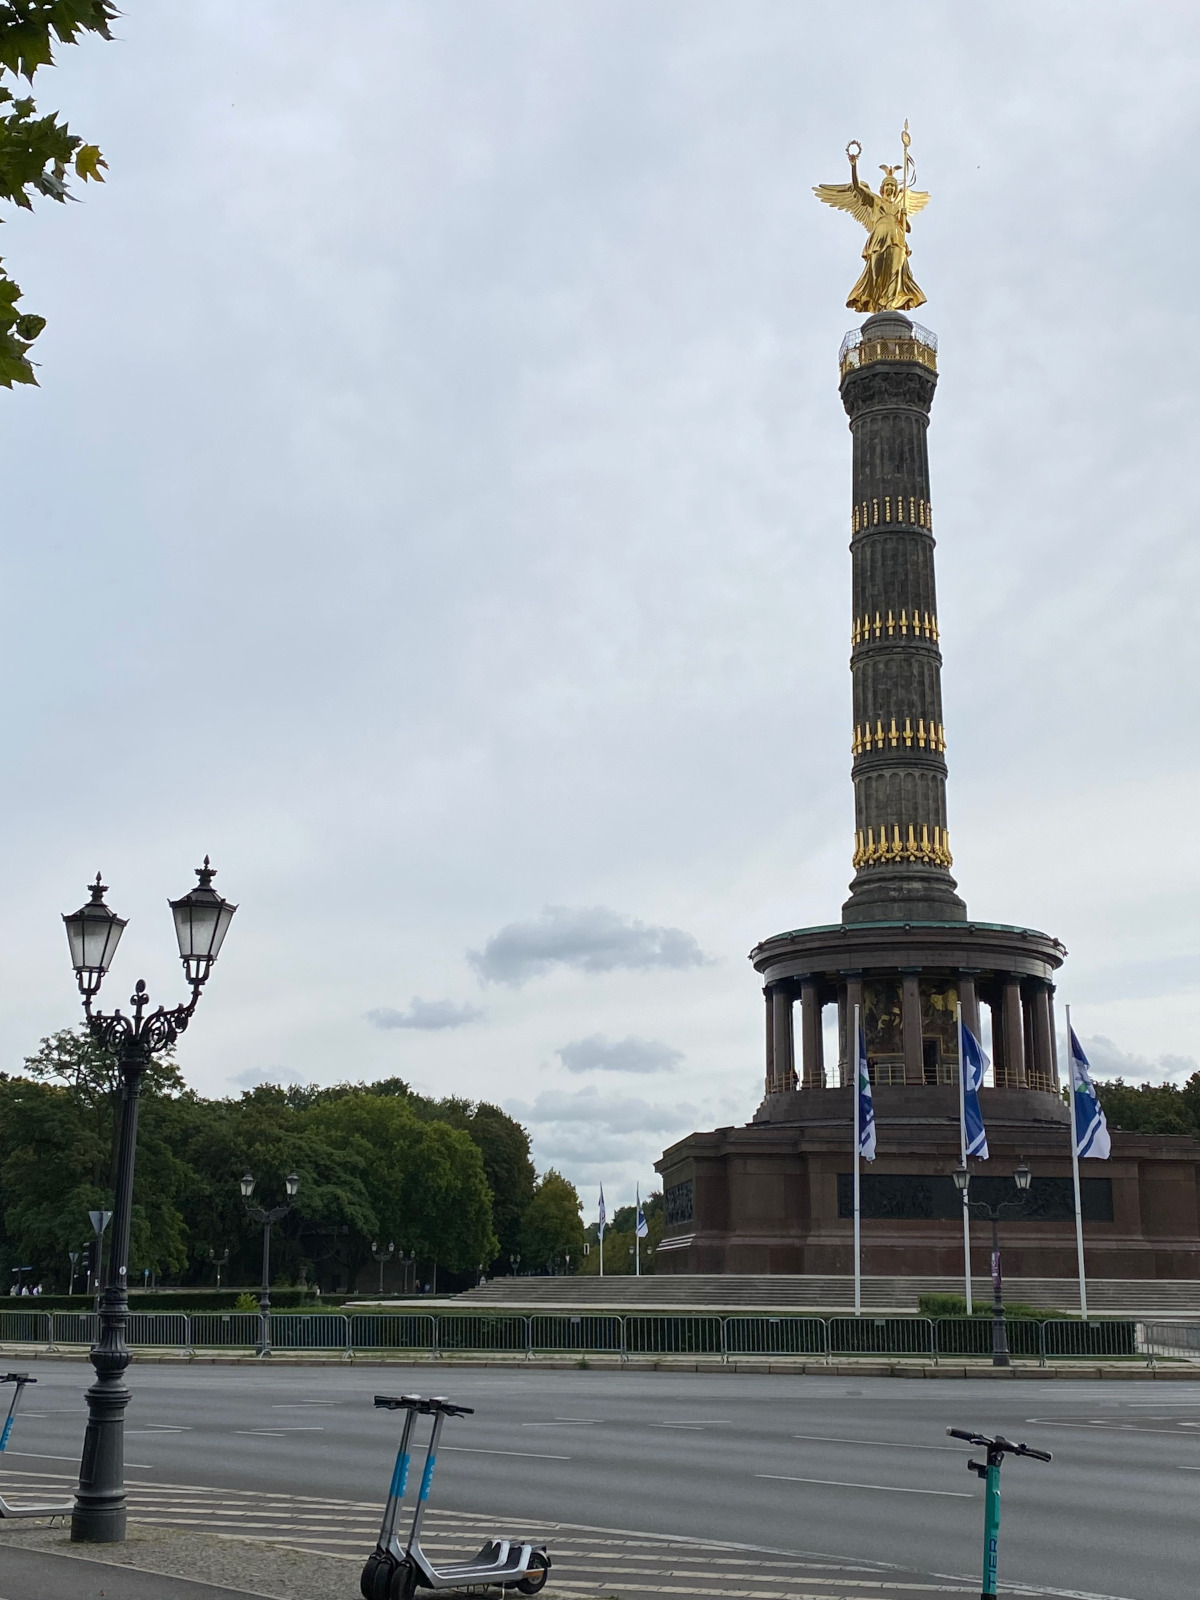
<point x="642" y="1229"/>
<point x="974" y="1065"/>
<point x="866" y="1106"/>
<point x="1091" y="1129"/>
<point x="603" y="1213"/>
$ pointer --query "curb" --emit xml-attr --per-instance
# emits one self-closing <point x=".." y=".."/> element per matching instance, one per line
<point x="1111" y="1372"/>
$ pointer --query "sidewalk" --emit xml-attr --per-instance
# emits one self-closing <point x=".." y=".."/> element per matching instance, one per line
<point x="38" y="1561"/>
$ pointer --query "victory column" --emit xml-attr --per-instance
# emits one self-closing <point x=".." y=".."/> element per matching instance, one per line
<point x="773" y="1195"/>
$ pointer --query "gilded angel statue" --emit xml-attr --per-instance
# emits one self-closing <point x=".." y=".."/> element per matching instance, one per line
<point x="886" y="283"/>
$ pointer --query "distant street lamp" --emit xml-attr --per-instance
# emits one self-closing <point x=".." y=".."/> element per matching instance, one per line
<point x="382" y="1256"/>
<point x="1006" y="1208"/>
<point x="267" y="1217"/>
<point x="202" y="920"/>
<point x="73" y="1258"/>
<point x="219" y="1261"/>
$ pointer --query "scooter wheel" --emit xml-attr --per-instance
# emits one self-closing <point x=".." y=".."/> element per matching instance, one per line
<point x="404" y="1583"/>
<point x="536" y="1574"/>
<point x="377" y="1577"/>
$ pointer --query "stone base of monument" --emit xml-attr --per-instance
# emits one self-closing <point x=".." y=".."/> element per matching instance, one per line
<point x="775" y="1196"/>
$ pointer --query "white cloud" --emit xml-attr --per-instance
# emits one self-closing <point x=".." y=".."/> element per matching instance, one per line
<point x="255" y="1077"/>
<point x="1108" y="1060"/>
<point x="430" y="1015"/>
<point x="602" y="1113"/>
<point x="589" y="938"/>
<point x="597" y="1053"/>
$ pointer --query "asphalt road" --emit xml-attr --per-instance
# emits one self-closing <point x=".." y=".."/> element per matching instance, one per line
<point x="851" y="1468"/>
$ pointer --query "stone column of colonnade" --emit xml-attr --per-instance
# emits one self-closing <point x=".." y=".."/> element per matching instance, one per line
<point x="1024" y="1049"/>
<point x="781" y="1073"/>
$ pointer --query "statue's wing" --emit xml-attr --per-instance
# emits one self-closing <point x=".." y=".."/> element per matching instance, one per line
<point x="845" y="197"/>
<point x="916" y="200"/>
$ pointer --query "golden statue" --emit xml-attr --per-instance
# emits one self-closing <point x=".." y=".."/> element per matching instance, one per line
<point x="886" y="283"/>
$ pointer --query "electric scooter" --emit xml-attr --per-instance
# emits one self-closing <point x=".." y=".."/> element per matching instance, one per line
<point x="990" y="1473"/>
<point x="20" y="1379"/>
<point x="395" y="1571"/>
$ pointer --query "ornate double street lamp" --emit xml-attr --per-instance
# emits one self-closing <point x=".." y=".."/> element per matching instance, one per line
<point x="267" y="1217"/>
<point x="382" y="1256"/>
<point x="202" y="920"/>
<point x="993" y="1214"/>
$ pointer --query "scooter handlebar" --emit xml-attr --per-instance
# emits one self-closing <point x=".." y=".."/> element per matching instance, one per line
<point x="16" y="1377"/>
<point x="999" y="1443"/>
<point x="426" y="1408"/>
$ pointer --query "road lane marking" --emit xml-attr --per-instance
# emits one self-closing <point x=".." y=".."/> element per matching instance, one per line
<point x="894" y="1444"/>
<point x="36" y="1455"/>
<point x="887" y="1488"/>
<point x="583" y="1422"/>
<point x="532" y="1455"/>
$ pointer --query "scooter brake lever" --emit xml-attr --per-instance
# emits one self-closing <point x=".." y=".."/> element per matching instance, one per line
<point x="978" y="1467"/>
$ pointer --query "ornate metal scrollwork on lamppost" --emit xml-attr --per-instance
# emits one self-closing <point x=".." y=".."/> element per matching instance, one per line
<point x="202" y="920"/>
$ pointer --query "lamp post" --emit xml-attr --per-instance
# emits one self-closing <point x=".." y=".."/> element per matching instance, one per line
<point x="382" y="1256"/>
<point x="267" y="1217"/>
<point x="1006" y="1208"/>
<point x="219" y="1261"/>
<point x="202" y="920"/>
<point x="73" y="1258"/>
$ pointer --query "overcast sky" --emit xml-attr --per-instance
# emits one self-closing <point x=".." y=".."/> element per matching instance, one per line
<point x="435" y="507"/>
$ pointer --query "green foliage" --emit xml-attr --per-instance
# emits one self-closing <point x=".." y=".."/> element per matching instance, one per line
<point x="504" y="1147"/>
<point x="955" y="1305"/>
<point x="376" y="1162"/>
<point x="246" y="1302"/>
<point x="553" y="1225"/>
<point x="37" y="151"/>
<point x="1152" y="1107"/>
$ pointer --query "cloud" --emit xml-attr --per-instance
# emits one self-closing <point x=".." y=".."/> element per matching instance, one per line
<point x="589" y="938"/>
<point x="601" y="1113"/>
<point x="255" y="1077"/>
<point x="597" y="1053"/>
<point x="1108" y="1060"/>
<point x="425" y="1014"/>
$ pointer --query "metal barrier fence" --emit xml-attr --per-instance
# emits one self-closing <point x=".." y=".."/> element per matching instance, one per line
<point x="393" y="1331"/>
<point x="1177" y="1340"/>
<point x="721" y="1337"/>
<point x="25" y="1327"/>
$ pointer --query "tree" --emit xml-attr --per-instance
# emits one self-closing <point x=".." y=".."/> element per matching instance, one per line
<point x="504" y="1145"/>
<point x="36" y="151"/>
<point x="58" y="1135"/>
<point x="553" y="1225"/>
<point x="1152" y="1107"/>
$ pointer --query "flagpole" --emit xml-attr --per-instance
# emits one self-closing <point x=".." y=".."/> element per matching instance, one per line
<point x="1083" y="1311"/>
<point x="962" y="1144"/>
<point x="637" y="1238"/>
<point x="601" y="1226"/>
<point x="857" y="1185"/>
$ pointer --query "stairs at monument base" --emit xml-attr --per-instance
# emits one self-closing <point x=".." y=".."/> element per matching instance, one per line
<point x="1159" y="1297"/>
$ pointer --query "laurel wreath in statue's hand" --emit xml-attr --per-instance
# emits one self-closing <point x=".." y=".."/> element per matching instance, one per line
<point x="854" y="150"/>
